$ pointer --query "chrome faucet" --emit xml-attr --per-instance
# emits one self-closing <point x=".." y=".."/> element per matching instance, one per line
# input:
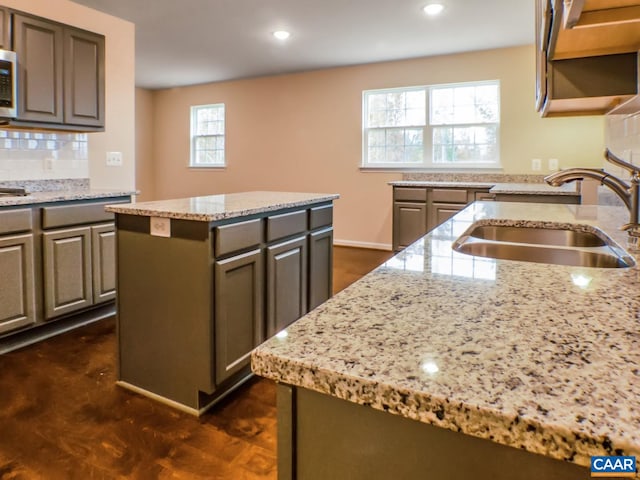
<point x="629" y="193"/>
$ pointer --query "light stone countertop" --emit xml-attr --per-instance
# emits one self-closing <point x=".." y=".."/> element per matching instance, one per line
<point x="62" y="196"/>
<point x="441" y="184"/>
<point x="536" y="356"/>
<point x="219" y="207"/>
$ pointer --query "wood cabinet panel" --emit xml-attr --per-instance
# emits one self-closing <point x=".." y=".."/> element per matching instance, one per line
<point x="286" y="284"/>
<point x="409" y="223"/>
<point x="39" y="47"/>
<point x="83" y="78"/>
<point x="320" y="267"/>
<point x="5" y="29"/>
<point x="441" y="212"/>
<point x="103" y="253"/>
<point x="239" y="317"/>
<point x="17" y="289"/>
<point x="68" y="282"/>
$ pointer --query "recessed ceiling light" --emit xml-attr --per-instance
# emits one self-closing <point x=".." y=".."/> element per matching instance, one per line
<point x="433" y="9"/>
<point x="281" y="34"/>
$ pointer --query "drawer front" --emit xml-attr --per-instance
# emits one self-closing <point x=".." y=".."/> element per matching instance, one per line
<point x="320" y="216"/>
<point x="485" y="196"/>
<point x="279" y="226"/>
<point x="449" y="195"/>
<point x="237" y="236"/>
<point x="65" y="215"/>
<point x="12" y="221"/>
<point x="408" y="194"/>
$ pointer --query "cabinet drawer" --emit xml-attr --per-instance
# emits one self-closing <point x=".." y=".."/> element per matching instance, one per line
<point x="237" y="236"/>
<point x="409" y="194"/>
<point x="279" y="226"/>
<point x="450" y="195"/>
<point x="484" y="196"/>
<point x="64" y="215"/>
<point x="15" y="221"/>
<point x="320" y="216"/>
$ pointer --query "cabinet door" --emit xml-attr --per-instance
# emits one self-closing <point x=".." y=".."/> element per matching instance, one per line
<point x="320" y="267"/>
<point x="103" y="252"/>
<point x="68" y="284"/>
<point x="83" y="78"/>
<point x="38" y="45"/>
<point x="5" y="29"/>
<point x="17" y="292"/>
<point x="239" y="318"/>
<point x="286" y="284"/>
<point x="409" y="223"/>
<point x="441" y="212"/>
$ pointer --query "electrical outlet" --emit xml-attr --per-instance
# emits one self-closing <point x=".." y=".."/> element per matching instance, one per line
<point x="536" y="164"/>
<point x="48" y="163"/>
<point x="114" y="159"/>
<point x="553" y="164"/>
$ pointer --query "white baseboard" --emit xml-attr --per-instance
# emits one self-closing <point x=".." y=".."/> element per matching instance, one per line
<point x="371" y="245"/>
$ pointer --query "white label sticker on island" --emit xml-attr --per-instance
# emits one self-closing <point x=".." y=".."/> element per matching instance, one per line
<point x="160" y="227"/>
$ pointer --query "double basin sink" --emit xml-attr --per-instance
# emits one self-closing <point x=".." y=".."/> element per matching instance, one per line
<point x="556" y="245"/>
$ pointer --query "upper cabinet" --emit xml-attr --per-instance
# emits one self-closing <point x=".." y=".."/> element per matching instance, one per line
<point x="587" y="56"/>
<point x="5" y="29"/>
<point x="61" y="75"/>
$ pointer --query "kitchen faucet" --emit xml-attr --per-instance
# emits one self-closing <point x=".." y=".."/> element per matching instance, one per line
<point x="629" y="193"/>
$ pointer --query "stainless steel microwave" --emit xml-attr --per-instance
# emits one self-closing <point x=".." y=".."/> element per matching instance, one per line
<point x="8" y="87"/>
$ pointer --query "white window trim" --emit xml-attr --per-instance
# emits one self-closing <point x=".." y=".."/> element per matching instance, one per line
<point x="192" y="140"/>
<point x="427" y="163"/>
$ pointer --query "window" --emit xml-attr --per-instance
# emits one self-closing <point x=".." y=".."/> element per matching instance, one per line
<point x="207" y="136"/>
<point x="438" y="126"/>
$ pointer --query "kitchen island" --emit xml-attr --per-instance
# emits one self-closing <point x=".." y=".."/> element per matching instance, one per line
<point x="204" y="280"/>
<point x="444" y="365"/>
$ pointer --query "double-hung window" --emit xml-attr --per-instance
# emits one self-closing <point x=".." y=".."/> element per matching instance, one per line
<point x="207" y="136"/>
<point x="434" y="126"/>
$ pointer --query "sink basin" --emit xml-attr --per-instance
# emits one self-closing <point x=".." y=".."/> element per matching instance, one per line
<point x="560" y="246"/>
<point x="537" y="236"/>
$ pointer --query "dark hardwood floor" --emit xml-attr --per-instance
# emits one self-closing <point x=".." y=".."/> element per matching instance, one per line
<point x="63" y="417"/>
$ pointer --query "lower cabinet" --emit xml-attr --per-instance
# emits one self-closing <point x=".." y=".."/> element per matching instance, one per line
<point x="441" y="212"/>
<point x="17" y="290"/>
<point x="103" y="254"/>
<point x="409" y="223"/>
<point x="321" y="264"/>
<point x="68" y="284"/>
<point x="286" y="283"/>
<point x="238" y="312"/>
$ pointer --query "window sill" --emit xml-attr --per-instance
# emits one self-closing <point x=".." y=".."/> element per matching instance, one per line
<point x="207" y="167"/>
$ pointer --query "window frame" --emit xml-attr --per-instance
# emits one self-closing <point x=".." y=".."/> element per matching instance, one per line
<point x="194" y="109"/>
<point x="428" y="128"/>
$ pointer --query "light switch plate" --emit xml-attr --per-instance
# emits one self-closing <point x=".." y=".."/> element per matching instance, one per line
<point x="553" y="164"/>
<point x="114" y="159"/>
<point x="536" y="164"/>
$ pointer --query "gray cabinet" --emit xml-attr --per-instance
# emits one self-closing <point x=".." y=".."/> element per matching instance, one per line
<point x="239" y="319"/>
<point x="61" y="74"/>
<point x="320" y="266"/>
<point x="286" y="283"/>
<point x="418" y="210"/>
<point x="5" y="29"/>
<point x="103" y="255"/>
<point x="83" y="78"/>
<point x="68" y="284"/>
<point x="38" y="46"/>
<point x="17" y="290"/>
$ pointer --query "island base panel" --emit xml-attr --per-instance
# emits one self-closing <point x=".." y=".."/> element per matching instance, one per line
<point x="322" y="437"/>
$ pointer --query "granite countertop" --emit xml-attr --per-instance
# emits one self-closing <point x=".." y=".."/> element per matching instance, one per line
<point x="62" y="196"/>
<point x="531" y="188"/>
<point x="536" y="356"/>
<point x="219" y="207"/>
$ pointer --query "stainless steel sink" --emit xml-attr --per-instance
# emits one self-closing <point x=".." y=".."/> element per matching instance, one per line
<point x="537" y="236"/>
<point x="560" y="246"/>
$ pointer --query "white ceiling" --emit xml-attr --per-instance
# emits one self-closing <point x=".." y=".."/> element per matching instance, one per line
<point x="185" y="42"/>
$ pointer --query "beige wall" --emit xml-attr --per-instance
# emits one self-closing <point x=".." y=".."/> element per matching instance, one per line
<point x="119" y="134"/>
<point x="302" y="132"/>
<point x="145" y="173"/>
